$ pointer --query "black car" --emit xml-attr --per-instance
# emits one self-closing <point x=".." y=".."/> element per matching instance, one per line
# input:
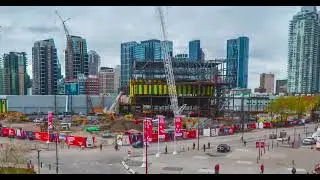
<point x="223" y="148"/>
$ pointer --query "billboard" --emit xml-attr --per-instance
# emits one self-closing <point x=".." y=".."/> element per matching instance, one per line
<point x="71" y="89"/>
<point x="178" y="126"/>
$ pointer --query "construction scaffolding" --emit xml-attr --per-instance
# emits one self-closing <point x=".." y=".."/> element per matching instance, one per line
<point x="202" y="86"/>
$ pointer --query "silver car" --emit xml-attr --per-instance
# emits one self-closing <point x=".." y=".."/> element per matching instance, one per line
<point x="309" y="141"/>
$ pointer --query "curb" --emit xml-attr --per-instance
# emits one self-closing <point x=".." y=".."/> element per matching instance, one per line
<point x="131" y="171"/>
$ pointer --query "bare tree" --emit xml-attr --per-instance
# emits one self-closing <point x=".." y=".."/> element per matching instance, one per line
<point x="13" y="155"/>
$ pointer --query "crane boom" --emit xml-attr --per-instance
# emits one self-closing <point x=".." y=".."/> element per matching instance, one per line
<point x="168" y="66"/>
<point x="64" y="25"/>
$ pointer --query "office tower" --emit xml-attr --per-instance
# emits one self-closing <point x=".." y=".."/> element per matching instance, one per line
<point x="194" y="50"/>
<point x="44" y="68"/>
<point x="92" y="85"/>
<point x="237" y="62"/>
<point x="1" y="76"/>
<point x="117" y="74"/>
<point x="152" y="49"/>
<point x="106" y="79"/>
<point x="94" y="62"/>
<point x="59" y="73"/>
<point x="303" y="51"/>
<point x="281" y="86"/>
<point x="267" y="82"/>
<point x="169" y="45"/>
<point x="139" y="52"/>
<point x="15" y="73"/>
<point x="127" y="57"/>
<point x="76" y="59"/>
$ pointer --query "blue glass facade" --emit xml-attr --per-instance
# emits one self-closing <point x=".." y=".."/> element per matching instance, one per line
<point x="194" y="50"/>
<point x="237" y="62"/>
<point x="127" y="56"/>
<point x="169" y="46"/>
<point x="139" y="52"/>
<point x="152" y="49"/>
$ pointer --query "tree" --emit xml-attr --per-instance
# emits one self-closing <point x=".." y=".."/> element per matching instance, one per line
<point x="13" y="155"/>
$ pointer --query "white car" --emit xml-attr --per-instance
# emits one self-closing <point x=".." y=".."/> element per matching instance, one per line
<point x="282" y="139"/>
<point x="309" y="141"/>
<point x="38" y="120"/>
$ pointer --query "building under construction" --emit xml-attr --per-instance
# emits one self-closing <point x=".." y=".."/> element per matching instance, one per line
<point x="199" y="85"/>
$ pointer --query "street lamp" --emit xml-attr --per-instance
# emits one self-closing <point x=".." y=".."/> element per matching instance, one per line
<point x="38" y="150"/>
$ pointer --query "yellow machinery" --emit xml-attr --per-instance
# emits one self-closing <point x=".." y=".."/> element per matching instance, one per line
<point x="80" y="119"/>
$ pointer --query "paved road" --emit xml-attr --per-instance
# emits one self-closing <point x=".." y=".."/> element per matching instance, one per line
<point x="107" y="161"/>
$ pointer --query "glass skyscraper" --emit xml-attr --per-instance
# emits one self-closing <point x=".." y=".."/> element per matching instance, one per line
<point x="127" y="56"/>
<point x="194" y="50"/>
<point x="237" y="62"/>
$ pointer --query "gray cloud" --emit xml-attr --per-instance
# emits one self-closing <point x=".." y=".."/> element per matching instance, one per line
<point x="106" y="27"/>
<point x="41" y="29"/>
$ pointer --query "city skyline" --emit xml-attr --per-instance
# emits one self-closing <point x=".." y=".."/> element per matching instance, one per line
<point x="106" y="39"/>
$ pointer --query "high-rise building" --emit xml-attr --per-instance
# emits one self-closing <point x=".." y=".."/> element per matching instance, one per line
<point x="92" y="85"/>
<point x="267" y="82"/>
<point x="94" y="63"/>
<point x="152" y="49"/>
<point x="139" y="52"/>
<point x="194" y="50"/>
<point x="237" y="62"/>
<point x="281" y="86"/>
<point x="1" y="76"/>
<point x="106" y="80"/>
<point x="303" y="51"/>
<point x="169" y="45"/>
<point x="59" y="71"/>
<point x="117" y="74"/>
<point x="15" y="73"/>
<point x="127" y="57"/>
<point x="76" y="62"/>
<point x="44" y="68"/>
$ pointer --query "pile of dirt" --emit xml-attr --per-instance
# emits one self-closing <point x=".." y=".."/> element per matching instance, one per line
<point x="122" y="125"/>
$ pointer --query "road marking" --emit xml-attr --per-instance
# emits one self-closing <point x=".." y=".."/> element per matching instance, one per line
<point x="202" y="170"/>
<point x="242" y="150"/>
<point x="200" y="157"/>
<point x="244" y="162"/>
<point x="297" y="169"/>
<point x="110" y="164"/>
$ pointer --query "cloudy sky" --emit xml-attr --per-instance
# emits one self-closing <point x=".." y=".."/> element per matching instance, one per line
<point x="105" y="28"/>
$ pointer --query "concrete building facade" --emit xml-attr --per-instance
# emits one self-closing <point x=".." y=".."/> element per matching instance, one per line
<point x="76" y="59"/>
<point x="117" y="74"/>
<point x="45" y="68"/>
<point x="281" y="86"/>
<point x="107" y="80"/>
<point x="267" y="82"/>
<point x="15" y="73"/>
<point x="303" y="51"/>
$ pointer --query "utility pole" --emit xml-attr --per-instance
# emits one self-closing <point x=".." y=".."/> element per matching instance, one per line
<point x="38" y="150"/>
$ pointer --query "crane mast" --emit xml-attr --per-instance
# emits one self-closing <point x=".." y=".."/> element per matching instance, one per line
<point x="168" y="66"/>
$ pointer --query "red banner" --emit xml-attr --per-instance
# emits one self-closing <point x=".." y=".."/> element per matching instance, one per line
<point x="162" y="126"/>
<point x="12" y="132"/>
<point x="178" y="125"/>
<point x="147" y="128"/>
<point x="5" y="132"/>
<point x="41" y="136"/>
<point x="50" y="127"/>
<point x="76" y="141"/>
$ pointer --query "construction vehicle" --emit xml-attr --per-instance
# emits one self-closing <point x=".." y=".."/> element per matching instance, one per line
<point x="113" y="110"/>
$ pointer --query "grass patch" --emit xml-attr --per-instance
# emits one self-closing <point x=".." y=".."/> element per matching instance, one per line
<point x="11" y="170"/>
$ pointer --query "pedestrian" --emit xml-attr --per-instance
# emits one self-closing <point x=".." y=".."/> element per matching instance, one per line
<point x="261" y="169"/>
<point x="204" y="148"/>
<point x="282" y="140"/>
<point x="193" y="145"/>
<point x="216" y="169"/>
<point x="166" y="149"/>
<point x="116" y="147"/>
<point x="245" y="143"/>
<point x="208" y="145"/>
<point x="288" y="139"/>
<point x="241" y="139"/>
<point x="294" y="170"/>
<point x="100" y="147"/>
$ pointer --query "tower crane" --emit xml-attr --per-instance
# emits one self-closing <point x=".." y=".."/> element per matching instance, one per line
<point x="169" y="72"/>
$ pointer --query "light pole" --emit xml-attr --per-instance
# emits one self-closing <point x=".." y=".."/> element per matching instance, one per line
<point x="38" y="150"/>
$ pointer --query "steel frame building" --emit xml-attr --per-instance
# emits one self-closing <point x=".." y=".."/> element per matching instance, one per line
<point x="198" y="74"/>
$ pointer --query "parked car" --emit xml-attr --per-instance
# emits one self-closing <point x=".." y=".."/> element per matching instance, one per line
<point x="309" y="141"/>
<point x="223" y="148"/>
<point x="38" y="120"/>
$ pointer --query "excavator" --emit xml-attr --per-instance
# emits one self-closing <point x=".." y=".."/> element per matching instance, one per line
<point x="113" y="110"/>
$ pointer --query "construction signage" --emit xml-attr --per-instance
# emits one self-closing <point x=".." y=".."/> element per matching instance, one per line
<point x="50" y="126"/>
<point x="178" y="125"/>
<point x="162" y="126"/>
<point x="259" y="144"/>
<point x="147" y="129"/>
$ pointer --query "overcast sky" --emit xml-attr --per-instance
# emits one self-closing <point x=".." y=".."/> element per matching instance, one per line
<point x="105" y="28"/>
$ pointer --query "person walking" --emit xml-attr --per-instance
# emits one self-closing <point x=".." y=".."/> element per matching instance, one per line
<point x="293" y="170"/>
<point x="116" y="147"/>
<point x="101" y="147"/>
<point x="194" y="146"/>
<point x="261" y="169"/>
<point x="216" y="169"/>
